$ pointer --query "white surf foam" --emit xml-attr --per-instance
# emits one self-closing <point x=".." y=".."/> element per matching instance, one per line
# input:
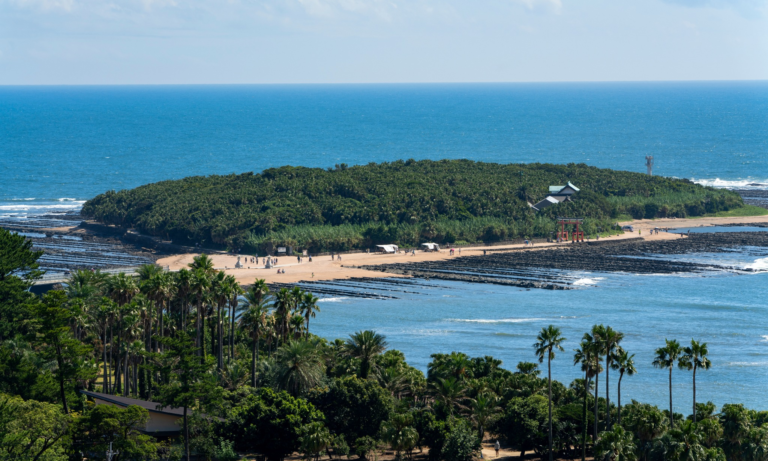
<point x="765" y="339"/>
<point x="759" y="265"/>
<point x="76" y="205"/>
<point x="332" y="300"/>
<point x="587" y="281"/>
<point x="747" y="364"/>
<point x="748" y="183"/>
<point x="495" y="320"/>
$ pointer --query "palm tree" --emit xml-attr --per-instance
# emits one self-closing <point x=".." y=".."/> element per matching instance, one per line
<point x="199" y="285"/>
<point x="625" y="363"/>
<point x="309" y="308"/>
<point x="283" y="308"/>
<point x="164" y="290"/>
<point x="449" y="392"/>
<point x="610" y="340"/>
<point x="695" y="357"/>
<point x="587" y="355"/>
<point x="482" y="411"/>
<point x="203" y="263"/>
<point x="254" y="319"/>
<point x="183" y="288"/>
<point x="297" y="325"/>
<point x="121" y="289"/>
<point x="365" y="345"/>
<point x="300" y="366"/>
<point x="616" y="445"/>
<point x="665" y="358"/>
<point x="400" y="434"/>
<point x="549" y="340"/>
<point x="597" y="354"/>
<point x="220" y="291"/>
<point x="234" y="300"/>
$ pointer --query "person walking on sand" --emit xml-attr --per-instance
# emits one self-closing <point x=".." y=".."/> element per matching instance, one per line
<point x="497" y="447"/>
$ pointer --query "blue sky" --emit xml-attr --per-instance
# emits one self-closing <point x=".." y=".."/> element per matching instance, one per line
<point x="364" y="41"/>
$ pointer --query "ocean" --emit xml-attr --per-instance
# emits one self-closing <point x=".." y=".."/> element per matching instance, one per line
<point x="60" y="146"/>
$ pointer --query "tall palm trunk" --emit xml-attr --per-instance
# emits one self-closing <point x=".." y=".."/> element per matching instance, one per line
<point x="197" y="327"/>
<point x="621" y="375"/>
<point x="111" y="368"/>
<point x="231" y="330"/>
<point x="597" y="384"/>
<point x="161" y="328"/>
<point x="586" y="421"/>
<point x="105" y="384"/>
<point x="220" y="341"/>
<point x="607" y="391"/>
<point x="671" y="415"/>
<point x="254" y="359"/>
<point x="694" y="394"/>
<point x="549" y="378"/>
<point x="118" y="356"/>
<point x="126" y="375"/>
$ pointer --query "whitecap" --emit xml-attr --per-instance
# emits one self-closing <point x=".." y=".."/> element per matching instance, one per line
<point x="765" y="339"/>
<point x="332" y="300"/>
<point x="496" y="320"/>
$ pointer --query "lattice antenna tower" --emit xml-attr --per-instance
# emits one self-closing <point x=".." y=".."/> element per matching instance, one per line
<point x="649" y="164"/>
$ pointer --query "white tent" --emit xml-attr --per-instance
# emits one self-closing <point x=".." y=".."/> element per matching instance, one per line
<point x="387" y="248"/>
<point x="431" y="246"/>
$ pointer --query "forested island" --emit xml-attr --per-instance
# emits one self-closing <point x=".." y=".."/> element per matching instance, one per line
<point x="402" y="202"/>
<point x="245" y="378"/>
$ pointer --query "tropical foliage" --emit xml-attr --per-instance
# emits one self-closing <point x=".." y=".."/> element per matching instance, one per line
<point x="401" y="202"/>
<point x="197" y="341"/>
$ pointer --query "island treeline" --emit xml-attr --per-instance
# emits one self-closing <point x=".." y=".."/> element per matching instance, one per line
<point x="404" y="202"/>
<point x="253" y="379"/>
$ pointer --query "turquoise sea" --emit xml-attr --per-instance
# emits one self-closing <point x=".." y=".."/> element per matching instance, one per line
<point x="62" y="145"/>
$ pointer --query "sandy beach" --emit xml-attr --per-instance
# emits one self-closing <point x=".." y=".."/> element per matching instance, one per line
<point x="324" y="268"/>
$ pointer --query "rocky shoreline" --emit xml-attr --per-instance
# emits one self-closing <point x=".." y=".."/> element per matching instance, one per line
<point x="547" y="268"/>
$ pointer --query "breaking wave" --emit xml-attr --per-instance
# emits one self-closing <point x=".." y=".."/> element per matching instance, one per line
<point x="759" y="265"/>
<point x="587" y="281"/>
<point x="496" y="320"/>
<point x="737" y="184"/>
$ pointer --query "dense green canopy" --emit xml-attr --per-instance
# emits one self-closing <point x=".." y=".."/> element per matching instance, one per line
<point x="402" y="202"/>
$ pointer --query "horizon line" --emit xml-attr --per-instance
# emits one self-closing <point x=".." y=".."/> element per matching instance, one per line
<point x="528" y="82"/>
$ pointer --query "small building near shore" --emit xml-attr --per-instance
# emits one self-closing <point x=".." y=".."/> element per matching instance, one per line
<point x="547" y="202"/>
<point x="557" y="194"/>
<point x="389" y="249"/>
<point x="562" y="193"/>
<point x="162" y="422"/>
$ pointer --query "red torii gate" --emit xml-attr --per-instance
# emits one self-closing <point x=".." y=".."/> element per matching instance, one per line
<point x="576" y="236"/>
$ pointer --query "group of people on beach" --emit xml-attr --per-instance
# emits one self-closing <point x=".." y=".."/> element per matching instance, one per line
<point x="335" y="256"/>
